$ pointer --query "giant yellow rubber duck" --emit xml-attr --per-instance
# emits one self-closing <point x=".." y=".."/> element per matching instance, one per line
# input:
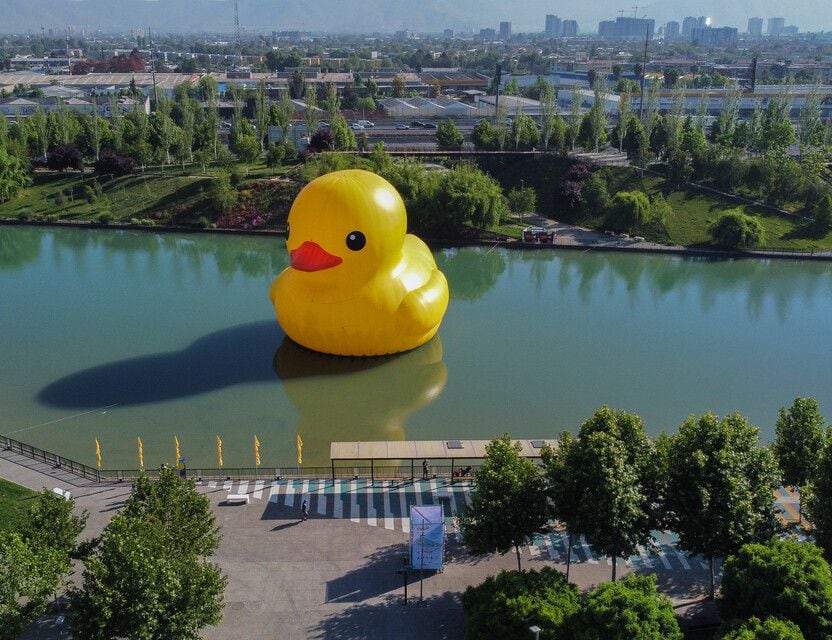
<point x="358" y="284"/>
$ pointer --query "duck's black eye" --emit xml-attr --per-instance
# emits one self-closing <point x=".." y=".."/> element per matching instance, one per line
<point x="356" y="240"/>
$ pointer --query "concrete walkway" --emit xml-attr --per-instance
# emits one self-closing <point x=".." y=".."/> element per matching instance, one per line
<point x="334" y="576"/>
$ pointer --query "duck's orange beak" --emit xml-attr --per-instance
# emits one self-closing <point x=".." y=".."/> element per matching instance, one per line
<point x="310" y="256"/>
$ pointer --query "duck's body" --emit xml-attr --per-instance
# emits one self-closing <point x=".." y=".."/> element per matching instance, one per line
<point x="384" y="296"/>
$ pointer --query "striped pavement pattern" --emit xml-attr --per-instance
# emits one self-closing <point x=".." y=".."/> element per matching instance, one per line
<point x="386" y="504"/>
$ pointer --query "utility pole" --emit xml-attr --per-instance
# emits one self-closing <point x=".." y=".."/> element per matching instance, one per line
<point x="153" y="70"/>
<point x="635" y="11"/>
<point x="644" y="72"/>
<point x="68" y="63"/>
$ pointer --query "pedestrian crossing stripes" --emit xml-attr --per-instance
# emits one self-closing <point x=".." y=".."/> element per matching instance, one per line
<point x="386" y="504"/>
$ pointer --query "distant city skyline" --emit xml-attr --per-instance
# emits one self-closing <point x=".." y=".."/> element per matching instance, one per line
<point x="264" y="16"/>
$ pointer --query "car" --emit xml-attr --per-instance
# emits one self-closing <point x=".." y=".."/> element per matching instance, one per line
<point x="366" y="124"/>
<point x="356" y="127"/>
<point x="401" y="126"/>
<point x="417" y="125"/>
<point x="429" y="125"/>
<point x="225" y="125"/>
<point x="323" y="124"/>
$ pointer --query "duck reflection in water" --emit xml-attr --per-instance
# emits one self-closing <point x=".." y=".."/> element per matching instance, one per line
<point x="345" y="399"/>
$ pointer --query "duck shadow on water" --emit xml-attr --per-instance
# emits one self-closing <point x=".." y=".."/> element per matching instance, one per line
<point x="258" y="352"/>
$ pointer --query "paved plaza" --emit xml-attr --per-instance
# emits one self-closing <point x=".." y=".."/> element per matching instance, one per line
<point x="337" y="574"/>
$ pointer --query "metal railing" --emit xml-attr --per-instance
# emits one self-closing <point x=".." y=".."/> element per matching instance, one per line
<point x="403" y="471"/>
<point x="52" y="459"/>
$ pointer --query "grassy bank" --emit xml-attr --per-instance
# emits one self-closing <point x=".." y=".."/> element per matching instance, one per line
<point x="14" y="503"/>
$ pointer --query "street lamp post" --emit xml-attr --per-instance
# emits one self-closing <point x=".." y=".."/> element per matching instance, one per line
<point x="535" y="631"/>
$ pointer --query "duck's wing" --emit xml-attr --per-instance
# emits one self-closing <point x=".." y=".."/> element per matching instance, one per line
<point x="422" y="309"/>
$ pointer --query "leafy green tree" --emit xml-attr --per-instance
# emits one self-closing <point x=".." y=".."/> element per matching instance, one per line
<point x="595" y="195"/>
<point x="222" y="195"/>
<point x="52" y="523"/>
<point x="552" y="128"/>
<point x="679" y="168"/>
<point x="247" y="147"/>
<point x="736" y="229"/>
<point x="573" y="124"/>
<point x="150" y="577"/>
<point x="280" y="113"/>
<point x="261" y="113"/>
<point x="508" y="503"/>
<point x="720" y="487"/>
<point x="13" y="175"/>
<point x="823" y="215"/>
<point x="798" y="442"/>
<point x="819" y="500"/>
<point x="782" y="578"/>
<point x="448" y="136"/>
<point x="769" y="629"/>
<point x="343" y="136"/>
<point x="612" y="462"/>
<point x="590" y="137"/>
<point x="503" y="607"/>
<point x="628" y="210"/>
<point x="29" y="575"/>
<point x="484" y="136"/>
<point x="630" y="609"/>
<point x="466" y="194"/>
<point x="524" y="132"/>
<point x="562" y="487"/>
<point x="522" y="200"/>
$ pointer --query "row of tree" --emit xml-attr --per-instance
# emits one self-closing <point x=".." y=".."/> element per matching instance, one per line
<point x="712" y="483"/>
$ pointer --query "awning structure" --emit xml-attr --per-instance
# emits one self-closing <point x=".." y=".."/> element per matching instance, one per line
<point x="411" y="450"/>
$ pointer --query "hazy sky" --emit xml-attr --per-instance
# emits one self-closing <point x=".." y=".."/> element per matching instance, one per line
<point x="263" y="16"/>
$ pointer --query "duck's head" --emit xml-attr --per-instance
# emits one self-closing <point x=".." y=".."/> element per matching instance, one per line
<point x="345" y="226"/>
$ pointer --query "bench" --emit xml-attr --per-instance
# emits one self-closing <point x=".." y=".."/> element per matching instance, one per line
<point x="64" y="493"/>
<point x="236" y="498"/>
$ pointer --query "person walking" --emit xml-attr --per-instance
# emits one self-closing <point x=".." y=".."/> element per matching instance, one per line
<point x="424" y="469"/>
<point x="305" y="510"/>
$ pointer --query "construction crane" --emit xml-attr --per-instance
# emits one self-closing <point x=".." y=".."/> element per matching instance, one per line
<point x="237" y="29"/>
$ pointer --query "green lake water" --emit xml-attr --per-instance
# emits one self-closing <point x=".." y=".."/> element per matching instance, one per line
<point x="119" y="335"/>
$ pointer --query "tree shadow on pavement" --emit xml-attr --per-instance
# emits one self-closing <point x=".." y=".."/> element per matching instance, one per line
<point x="440" y="618"/>
<point x="376" y="576"/>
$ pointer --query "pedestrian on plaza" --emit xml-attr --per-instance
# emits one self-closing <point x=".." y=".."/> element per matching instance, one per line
<point x="305" y="510"/>
<point x="424" y="469"/>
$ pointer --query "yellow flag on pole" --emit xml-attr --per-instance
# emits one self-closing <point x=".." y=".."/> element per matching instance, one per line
<point x="141" y="454"/>
<point x="98" y="452"/>
<point x="178" y="455"/>
<point x="219" y="451"/>
<point x="256" y="451"/>
<point x="300" y="450"/>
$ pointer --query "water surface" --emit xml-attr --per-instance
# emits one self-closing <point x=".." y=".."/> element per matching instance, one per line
<point x="119" y="335"/>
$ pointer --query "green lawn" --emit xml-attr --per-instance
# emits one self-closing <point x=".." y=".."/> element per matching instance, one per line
<point x="14" y="503"/>
<point x="694" y="210"/>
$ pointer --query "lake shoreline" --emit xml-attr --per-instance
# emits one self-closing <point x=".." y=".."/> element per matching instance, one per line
<point x="602" y="243"/>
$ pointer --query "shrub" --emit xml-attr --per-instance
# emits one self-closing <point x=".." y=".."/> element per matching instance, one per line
<point x="572" y="184"/>
<point x="221" y="194"/>
<point x="466" y="194"/>
<point x="275" y="155"/>
<point x="236" y="177"/>
<point x="736" y="229"/>
<point x="660" y="210"/>
<point x="105" y="217"/>
<point x="782" y="578"/>
<point x="484" y="136"/>
<point x="769" y="629"/>
<point x="63" y="157"/>
<point x="504" y="606"/>
<point x="629" y="608"/>
<point x="594" y="193"/>
<point x="247" y="148"/>
<point x="113" y="164"/>
<point x="823" y="215"/>
<point x="448" y="137"/>
<point x="321" y="140"/>
<point x="60" y="198"/>
<point x="523" y="200"/>
<point x="628" y="209"/>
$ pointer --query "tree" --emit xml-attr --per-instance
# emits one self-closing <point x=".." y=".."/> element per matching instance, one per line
<point x="782" y="578"/>
<point x="504" y="606"/>
<point x="37" y="125"/>
<point x="397" y="86"/>
<point x="798" y="442"/>
<point x="628" y="210"/>
<point x="508" y="503"/>
<point x="524" y="131"/>
<point x="150" y="577"/>
<point x="247" y="147"/>
<point x="720" y="487"/>
<point x="595" y="195"/>
<point x="598" y="114"/>
<point x="52" y="523"/>
<point x="736" y="229"/>
<point x="636" y="143"/>
<point x="624" y="610"/>
<point x="573" y="125"/>
<point x="343" y="136"/>
<point x="63" y="157"/>
<point x="13" y="175"/>
<point x="280" y="113"/>
<point x="322" y="140"/>
<point x="679" y="168"/>
<point x="610" y="469"/>
<point x="484" y="136"/>
<point x="624" y="116"/>
<point x="29" y="575"/>
<point x="819" y="501"/>
<point x="448" y="136"/>
<point x="770" y="629"/>
<point x="261" y="114"/>
<point x="466" y="194"/>
<point x="550" y="117"/>
<point x="311" y="113"/>
<point x="561" y="487"/>
<point x="823" y="215"/>
<point x="222" y="195"/>
<point x="523" y="200"/>
<point x="810" y="121"/>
